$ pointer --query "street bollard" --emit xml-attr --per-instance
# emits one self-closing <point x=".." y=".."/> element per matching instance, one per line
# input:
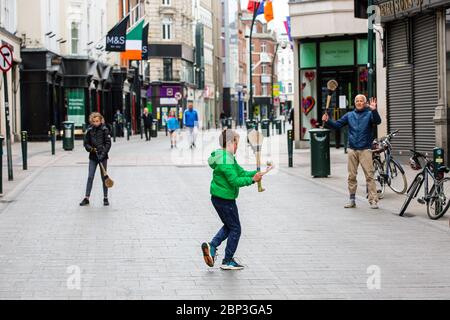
<point x="128" y="131"/>
<point x="290" y="137"/>
<point x="2" y="139"/>
<point x="24" y="140"/>
<point x="284" y="126"/>
<point x="142" y="129"/>
<point x="53" y="139"/>
<point x="114" y="131"/>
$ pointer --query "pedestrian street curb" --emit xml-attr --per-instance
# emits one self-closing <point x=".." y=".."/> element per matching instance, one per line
<point x="390" y="210"/>
<point x="7" y="199"/>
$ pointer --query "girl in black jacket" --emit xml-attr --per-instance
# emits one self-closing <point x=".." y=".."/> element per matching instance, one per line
<point x="97" y="142"/>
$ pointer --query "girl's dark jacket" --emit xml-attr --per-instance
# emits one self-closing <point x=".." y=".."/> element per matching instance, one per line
<point x="100" y="139"/>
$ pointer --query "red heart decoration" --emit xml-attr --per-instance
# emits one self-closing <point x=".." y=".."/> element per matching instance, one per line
<point x="311" y="75"/>
<point x="308" y="104"/>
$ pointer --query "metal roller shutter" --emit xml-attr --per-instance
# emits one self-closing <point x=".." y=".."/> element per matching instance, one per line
<point x="425" y="55"/>
<point x="399" y="86"/>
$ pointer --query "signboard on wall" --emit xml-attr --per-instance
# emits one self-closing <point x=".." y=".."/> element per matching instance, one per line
<point x="76" y="106"/>
<point x="337" y="53"/>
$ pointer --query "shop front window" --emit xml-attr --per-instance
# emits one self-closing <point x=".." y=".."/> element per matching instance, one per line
<point x="309" y="112"/>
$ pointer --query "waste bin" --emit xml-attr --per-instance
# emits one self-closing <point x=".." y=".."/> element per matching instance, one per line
<point x="230" y="123"/>
<point x="320" y="153"/>
<point x="250" y="124"/>
<point x="155" y="129"/>
<point x="265" y="128"/>
<point x="68" y="136"/>
<point x="279" y="127"/>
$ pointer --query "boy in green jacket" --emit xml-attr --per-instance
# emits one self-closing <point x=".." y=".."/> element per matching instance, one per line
<point x="228" y="178"/>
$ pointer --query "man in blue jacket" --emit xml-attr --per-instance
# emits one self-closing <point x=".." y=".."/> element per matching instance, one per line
<point x="190" y="121"/>
<point x="360" y="123"/>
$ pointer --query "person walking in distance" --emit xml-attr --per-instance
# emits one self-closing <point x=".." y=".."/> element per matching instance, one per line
<point x="228" y="178"/>
<point x="190" y="121"/>
<point x="173" y="125"/>
<point x="148" y="123"/>
<point x="119" y="119"/>
<point x="97" y="141"/>
<point x="361" y="122"/>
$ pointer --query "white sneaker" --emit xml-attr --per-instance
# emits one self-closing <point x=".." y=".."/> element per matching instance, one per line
<point x="374" y="206"/>
<point x="350" y="205"/>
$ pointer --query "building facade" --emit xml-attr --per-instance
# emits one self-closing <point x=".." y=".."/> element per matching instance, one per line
<point x="217" y="56"/>
<point x="172" y="58"/>
<point x="329" y="44"/>
<point x="230" y="58"/>
<point x="8" y="37"/>
<point x="284" y="89"/>
<point x="264" y="75"/>
<point x="415" y="62"/>
<point x="66" y="73"/>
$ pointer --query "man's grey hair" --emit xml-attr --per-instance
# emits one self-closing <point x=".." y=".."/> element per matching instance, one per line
<point x="361" y="96"/>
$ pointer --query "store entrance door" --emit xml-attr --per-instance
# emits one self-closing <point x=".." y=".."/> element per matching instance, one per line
<point x="342" y="100"/>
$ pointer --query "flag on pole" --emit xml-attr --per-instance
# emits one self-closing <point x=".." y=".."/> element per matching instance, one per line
<point x="145" y="53"/>
<point x="252" y="5"/>
<point x="287" y="25"/>
<point x="134" y="43"/>
<point x="116" y="37"/>
<point x="268" y="11"/>
<point x="261" y="8"/>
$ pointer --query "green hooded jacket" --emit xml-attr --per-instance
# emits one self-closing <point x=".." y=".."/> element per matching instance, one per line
<point x="228" y="175"/>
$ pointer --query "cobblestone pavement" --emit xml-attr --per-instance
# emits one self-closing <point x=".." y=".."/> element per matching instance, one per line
<point x="298" y="242"/>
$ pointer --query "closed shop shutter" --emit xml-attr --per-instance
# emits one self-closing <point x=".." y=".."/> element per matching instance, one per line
<point x="412" y="84"/>
<point x="399" y="86"/>
<point x="426" y="84"/>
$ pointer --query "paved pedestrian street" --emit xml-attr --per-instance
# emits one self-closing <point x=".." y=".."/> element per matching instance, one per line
<point x="297" y="241"/>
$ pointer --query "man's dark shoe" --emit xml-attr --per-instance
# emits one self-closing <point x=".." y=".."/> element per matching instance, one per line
<point x="84" y="203"/>
<point x="106" y="202"/>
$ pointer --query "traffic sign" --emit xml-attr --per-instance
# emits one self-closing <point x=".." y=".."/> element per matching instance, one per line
<point x="6" y="58"/>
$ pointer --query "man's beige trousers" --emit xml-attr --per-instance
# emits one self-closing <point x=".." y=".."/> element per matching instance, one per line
<point x="363" y="157"/>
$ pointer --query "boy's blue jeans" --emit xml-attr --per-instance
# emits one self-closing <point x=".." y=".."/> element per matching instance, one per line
<point x="229" y="214"/>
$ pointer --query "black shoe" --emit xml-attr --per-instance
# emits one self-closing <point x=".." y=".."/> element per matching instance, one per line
<point x="106" y="202"/>
<point x="84" y="203"/>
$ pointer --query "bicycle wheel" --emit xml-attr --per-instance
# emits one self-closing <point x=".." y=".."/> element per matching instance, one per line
<point x="379" y="178"/>
<point x="397" y="178"/>
<point x="440" y="199"/>
<point x="411" y="193"/>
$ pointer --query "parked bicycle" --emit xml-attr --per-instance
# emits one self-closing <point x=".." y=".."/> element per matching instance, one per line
<point x="388" y="171"/>
<point x="437" y="198"/>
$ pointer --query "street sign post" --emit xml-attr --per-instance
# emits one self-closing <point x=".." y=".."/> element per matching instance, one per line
<point x="6" y="61"/>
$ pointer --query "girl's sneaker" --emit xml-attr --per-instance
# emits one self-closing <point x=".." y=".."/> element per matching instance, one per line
<point x="106" y="202"/>
<point x="231" y="265"/>
<point x="209" y="254"/>
<point x="84" y="203"/>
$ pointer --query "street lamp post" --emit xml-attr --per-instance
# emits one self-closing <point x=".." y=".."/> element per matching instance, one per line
<point x="250" y="102"/>
<point x="283" y="46"/>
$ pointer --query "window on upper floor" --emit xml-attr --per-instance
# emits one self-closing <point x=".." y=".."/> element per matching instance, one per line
<point x="167" y="28"/>
<point x="264" y="68"/>
<point x="264" y="89"/>
<point x="166" y="2"/>
<point x="263" y="47"/>
<point x="75" y="40"/>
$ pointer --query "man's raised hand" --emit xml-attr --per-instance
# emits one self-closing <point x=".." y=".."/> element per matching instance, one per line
<point x="373" y="104"/>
